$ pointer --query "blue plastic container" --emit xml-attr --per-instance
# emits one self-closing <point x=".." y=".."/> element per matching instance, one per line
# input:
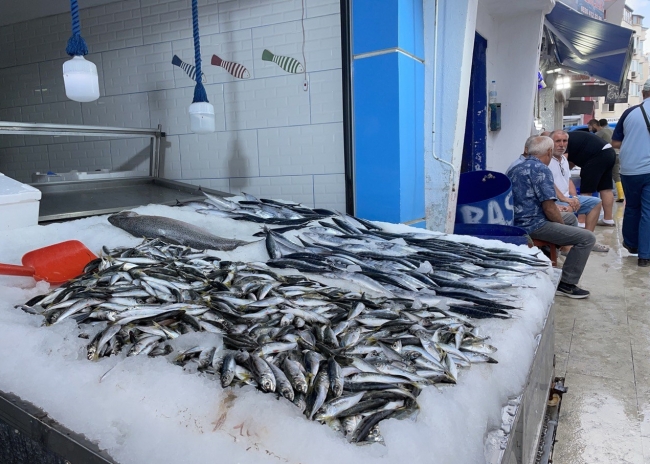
<point x="508" y="234"/>
<point x="484" y="197"/>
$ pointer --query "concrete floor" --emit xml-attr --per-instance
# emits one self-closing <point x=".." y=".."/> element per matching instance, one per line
<point x="602" y="347"/>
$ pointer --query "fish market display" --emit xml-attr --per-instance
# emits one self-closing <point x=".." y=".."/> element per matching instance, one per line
<point x="347" y="359"/>
<point x="172" y="231"/>
<point x="263" y="210"/>
<point x="409" y="266"/>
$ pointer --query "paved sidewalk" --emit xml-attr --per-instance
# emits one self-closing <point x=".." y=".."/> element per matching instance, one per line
<point x="602" y="347"/>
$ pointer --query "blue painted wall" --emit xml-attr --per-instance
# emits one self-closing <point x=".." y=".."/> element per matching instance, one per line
<point x="389" y="110"/>
<point x="475" y="144"/>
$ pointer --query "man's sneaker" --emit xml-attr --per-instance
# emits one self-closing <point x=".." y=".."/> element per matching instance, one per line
<point x="644" y="262"/>
<point x="571" y="291"/>
<point x="632" y="250"/>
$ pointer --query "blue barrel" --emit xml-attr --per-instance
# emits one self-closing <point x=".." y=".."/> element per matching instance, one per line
<point x="508" y="234"/>
<point x="484" y="197"/>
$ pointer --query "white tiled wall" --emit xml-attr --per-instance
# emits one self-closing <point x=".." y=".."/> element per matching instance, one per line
<point x="273" y="138"/>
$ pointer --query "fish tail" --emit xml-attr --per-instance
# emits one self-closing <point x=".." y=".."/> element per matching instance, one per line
<point x="216" y="61"/>
<point x="176" y="61"/>
<point x="267" y="55"/>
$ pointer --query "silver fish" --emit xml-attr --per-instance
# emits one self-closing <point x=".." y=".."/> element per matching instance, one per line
<point x="171" y="230"/>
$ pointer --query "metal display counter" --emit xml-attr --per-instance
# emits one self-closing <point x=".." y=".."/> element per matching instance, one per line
<point x="74" y="199"/>
<point x="517" y="441"/>
<point x="28" y="435"/>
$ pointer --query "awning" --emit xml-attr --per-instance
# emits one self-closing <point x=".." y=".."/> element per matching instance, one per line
<point x="590" y="46"/>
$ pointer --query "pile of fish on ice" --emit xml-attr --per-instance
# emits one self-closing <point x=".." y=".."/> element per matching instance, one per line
<point x="348" y="359"/>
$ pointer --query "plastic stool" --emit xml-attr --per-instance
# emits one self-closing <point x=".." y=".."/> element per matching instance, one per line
<point x="552" y="247"/>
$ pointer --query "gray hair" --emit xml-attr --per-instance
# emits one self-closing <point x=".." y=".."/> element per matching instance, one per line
<point x="529" y="140"/>
<point x="558" y="131"/>
<point x="540" y="145"/>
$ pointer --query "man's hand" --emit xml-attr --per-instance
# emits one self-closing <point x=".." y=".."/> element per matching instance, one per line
<point x="564" y="209"/>
<point x="574" y="203"/>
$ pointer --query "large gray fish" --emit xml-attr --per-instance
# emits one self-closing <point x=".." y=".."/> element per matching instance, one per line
<point x="171" y="230"/>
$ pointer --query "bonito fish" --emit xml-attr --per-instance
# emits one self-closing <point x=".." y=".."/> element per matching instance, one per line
<point x="172" y="231"/>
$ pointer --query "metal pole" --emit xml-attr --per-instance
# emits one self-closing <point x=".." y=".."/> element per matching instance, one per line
<point x="348" y="104"/>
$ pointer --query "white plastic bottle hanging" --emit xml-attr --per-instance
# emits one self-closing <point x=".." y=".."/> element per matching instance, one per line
<point x="201" y="117"/>
<point x="79" y="76"/>
<point x="80" y="79"/>
<point x="493" y="92"/>
<point x="201" y="111"/>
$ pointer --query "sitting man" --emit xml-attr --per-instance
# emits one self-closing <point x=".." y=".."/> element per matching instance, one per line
<point x="596" y="159"/>
<point x="523" y="156"/>
<point x="566" y="211"/>
<point x="535" y="210"/>
<point x="566" y="193"/>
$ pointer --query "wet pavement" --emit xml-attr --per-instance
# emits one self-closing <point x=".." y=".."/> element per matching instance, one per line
<point x="602" y="347"/>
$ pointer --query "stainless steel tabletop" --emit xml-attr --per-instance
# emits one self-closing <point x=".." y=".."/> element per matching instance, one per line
<point x="65" y="200"/>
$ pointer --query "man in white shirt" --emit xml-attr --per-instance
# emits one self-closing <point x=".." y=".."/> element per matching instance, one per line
<point x="566" y="193"/>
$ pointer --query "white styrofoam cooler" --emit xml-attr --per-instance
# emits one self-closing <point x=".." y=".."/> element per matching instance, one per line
<point x="19" y="204"/>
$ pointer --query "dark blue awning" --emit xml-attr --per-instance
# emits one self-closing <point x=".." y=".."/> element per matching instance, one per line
<point x="590" y="46"/>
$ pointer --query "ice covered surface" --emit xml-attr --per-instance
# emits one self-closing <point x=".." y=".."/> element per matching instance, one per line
<point x="148" y="410"/>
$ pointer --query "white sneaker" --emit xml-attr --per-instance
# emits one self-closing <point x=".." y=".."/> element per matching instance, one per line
<point x="581" y="224"/>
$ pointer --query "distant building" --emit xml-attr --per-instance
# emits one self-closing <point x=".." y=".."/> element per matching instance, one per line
<point x="638" y="70"/>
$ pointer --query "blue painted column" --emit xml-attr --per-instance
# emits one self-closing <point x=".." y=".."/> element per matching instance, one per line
<point x="388" y="75"/>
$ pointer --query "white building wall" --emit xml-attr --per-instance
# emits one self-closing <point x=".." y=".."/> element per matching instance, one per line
<point x="512" y="61"/>
<point x="273" y="138"/>
<point x="637" y="74"/>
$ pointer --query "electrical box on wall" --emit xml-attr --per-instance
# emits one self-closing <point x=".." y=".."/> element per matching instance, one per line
<point x="495" y="116"/>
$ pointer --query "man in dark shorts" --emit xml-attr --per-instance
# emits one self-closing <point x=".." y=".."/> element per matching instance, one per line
<point x="596" y="159"/>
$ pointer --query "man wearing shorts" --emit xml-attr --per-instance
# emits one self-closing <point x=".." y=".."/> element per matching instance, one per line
<point x="596" y="159"/>
<point x="566" y="193"/>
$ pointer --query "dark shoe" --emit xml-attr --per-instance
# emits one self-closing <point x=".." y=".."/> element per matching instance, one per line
<point x="571" y="291"/>
<point x="644" y="262"/>
<point x="620" y="200"/>
<point x="632" y="250"/>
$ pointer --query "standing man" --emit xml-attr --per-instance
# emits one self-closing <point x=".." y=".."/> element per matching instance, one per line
<point x="605" y="133"/>
<point x="533" y="195"/>
<point x="632" y="135"/>
<point x="596" y="160"/>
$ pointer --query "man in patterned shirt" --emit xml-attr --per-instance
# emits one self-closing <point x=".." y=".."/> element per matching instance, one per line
<point x="533" y="195"/>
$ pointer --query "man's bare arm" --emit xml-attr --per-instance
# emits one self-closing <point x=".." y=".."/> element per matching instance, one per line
<point x="551" y="211"/>
<point x="616" y="143"/>
<point x="572" y="189"/>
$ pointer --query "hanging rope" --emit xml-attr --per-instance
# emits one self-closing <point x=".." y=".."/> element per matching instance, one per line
<point x="199" y="91"/>
<point x="76" y="44"/>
